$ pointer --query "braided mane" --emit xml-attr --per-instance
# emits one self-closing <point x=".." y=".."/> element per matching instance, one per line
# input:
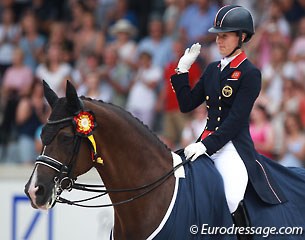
<point x="128" y="115"/>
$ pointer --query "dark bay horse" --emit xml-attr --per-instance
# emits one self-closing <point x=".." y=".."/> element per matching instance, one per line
<point x="82" y="134"/>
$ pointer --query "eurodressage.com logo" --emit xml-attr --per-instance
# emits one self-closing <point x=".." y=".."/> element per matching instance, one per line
<point x="204" y="229"/>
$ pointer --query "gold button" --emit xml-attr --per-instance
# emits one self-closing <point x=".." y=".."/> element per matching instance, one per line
<point x="216" y="128"/>
<point x="207" y="97"/>
<point x="219" y="97"/>
<point x="206" y="127"/>
<point x="218" y="119"/>
<point x="219" y="108"/>
<point x="208" y="106"/>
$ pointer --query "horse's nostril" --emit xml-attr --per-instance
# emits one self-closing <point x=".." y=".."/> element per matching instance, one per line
<point x="40" y="191"/>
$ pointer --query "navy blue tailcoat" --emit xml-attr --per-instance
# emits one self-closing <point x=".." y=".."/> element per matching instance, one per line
<point x="229" y="96"/>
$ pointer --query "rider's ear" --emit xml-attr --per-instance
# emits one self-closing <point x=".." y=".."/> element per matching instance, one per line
<point x="72" y="98"/>
<point x="49" y="94"/>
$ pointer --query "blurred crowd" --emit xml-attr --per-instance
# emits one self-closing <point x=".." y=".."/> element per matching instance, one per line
<point x="124" y="52"/>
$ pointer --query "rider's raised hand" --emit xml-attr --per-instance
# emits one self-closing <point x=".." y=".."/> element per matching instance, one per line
<point x="188" y="58"/>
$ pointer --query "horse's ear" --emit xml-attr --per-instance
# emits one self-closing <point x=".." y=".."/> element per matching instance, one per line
<point x="72" y="98"/>
<point x="49" y="94"/>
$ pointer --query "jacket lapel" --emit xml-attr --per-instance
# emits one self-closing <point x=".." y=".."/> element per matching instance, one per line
<point x="231" y="68"/>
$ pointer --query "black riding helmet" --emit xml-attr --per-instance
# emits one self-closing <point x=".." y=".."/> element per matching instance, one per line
<point x="234" y="18"/>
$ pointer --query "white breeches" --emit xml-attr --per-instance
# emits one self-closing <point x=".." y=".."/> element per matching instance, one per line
<point x="234" y="174"/>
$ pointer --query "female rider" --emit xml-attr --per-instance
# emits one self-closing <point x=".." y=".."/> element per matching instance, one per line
<point x="229" y="87"/>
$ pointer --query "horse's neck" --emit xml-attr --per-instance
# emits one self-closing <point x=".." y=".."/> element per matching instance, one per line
<point x="133" y="158"/>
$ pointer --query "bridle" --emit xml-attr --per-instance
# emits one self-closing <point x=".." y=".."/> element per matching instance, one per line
<point x="64" y="181"/>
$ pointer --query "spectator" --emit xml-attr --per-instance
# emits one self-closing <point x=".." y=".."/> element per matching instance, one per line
<point x="171" y="17"/>
<point x="156" y="44"/>
<point x="17" y="79"/>
<point x="88" y="39"/>
<point x="294" y="153"/>
<point x="173" y="120"/>
<point x="9" y="37"/>
<point x="293" y="10"/>
<point x="274" y="75"/>
<point x="274" y="30"/>
<point x="31" y="42"/>
<point x="31" y="113"/>
<point x="291" y="97"/>
<point x="116" y="77"/>
<point x="54" y="71"/>
<point x="121" y="10"/>
<point x="91" y="86"/>
<point x="17" y="82"/>
<point x="77" y="10"/>
<point x="301" y="110"/>
<point x="195" y="21"/>
<point x="193" y="128"/>
<point x="297" y="52"/>
<point x="142" y="96"/>
<point x="123" y="32"/>
<point x="102" y="10"/>
<point x="58" y="37"/>
<point x="91" y="64"/>
<point x="262" y="131"/>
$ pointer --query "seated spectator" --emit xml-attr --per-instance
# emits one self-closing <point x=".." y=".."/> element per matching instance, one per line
<point x="262" y="131"/>
<point x="294" y="152"/>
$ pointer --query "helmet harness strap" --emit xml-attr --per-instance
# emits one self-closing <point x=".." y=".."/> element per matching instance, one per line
<point x="240" y="43"/>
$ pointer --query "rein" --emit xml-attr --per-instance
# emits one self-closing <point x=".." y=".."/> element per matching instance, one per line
<point x="91" y="188"/>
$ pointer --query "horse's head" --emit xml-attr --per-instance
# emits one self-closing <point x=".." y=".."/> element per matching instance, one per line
<point x="58" y="165"/>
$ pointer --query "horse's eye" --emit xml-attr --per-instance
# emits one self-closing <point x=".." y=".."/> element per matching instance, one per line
<point x="65" y="138"/>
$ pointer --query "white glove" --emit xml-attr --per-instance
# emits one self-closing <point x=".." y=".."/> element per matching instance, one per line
<point x="188" y="58"/>
<point x="195" y="150"/>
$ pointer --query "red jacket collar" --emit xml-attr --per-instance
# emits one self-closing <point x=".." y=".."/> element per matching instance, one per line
<point x="238" y="60"/>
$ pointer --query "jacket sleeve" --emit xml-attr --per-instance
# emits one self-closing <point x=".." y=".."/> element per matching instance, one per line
<point x="188" y="98"/>
<point x="239" y="113"/>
